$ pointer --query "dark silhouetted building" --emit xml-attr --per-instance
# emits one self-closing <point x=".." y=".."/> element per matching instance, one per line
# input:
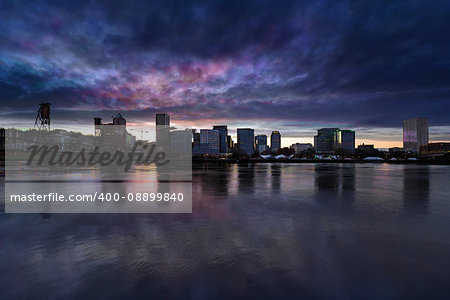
<point x="275" y="141"/>
<point x="396" y="150"/>
<point x="119" y="120"/>
<point x="246" y="140"/>
<point x="415" y="134"/>
<point x="301" y="147"/>
<point x="435" y="148"/>
<point x="324" y="141"/>
<point x="230" y="144"/>
<point x="209" y="141"/>
<point x="163" y="138"/>
<point x="286" y="151"/>
<point x="367" y="150"/>
<point x="162" y="120"/>
<point x="344" y="142"/>
<point x="223" y="133"/>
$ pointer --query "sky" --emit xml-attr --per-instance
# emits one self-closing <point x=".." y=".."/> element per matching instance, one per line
<point x="292" y="66"/>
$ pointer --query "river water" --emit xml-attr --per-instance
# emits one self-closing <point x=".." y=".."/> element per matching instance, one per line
<point x="268" y="230"/>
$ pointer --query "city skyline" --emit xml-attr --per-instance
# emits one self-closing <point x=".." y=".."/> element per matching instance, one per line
<point x="164" y="118"/>
<point x="292" y="67"/>
<point x="343" y="139"/>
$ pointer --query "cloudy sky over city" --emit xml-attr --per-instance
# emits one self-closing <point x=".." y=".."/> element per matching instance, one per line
<point x="292" y="66"/>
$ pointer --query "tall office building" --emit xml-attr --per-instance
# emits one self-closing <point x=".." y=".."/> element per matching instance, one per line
<point x="344" y="141"/>
<point x="163" y="139"/>
<point x="162" y="120"/>
<point x="324" y="141"/>
<point x="246" y="140"/>
<point x="415" y="134"/>
<point x="223" y="133"/>
<point x="209" y="141"/>
<point x="230" y="144"/>
<point x="275" y="141"/>
<point x="261" y="143"/>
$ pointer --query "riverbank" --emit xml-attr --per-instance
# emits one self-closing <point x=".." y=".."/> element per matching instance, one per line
<point x="301" y="161"/>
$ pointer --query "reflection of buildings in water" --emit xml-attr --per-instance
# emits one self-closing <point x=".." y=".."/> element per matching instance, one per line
<point x="348" y="176"/>
<point x="214" y="180"/>
<point x="416" y="188"/>
<point x="219" y="180"/>
<point x="262" y="177"/>
<point x="2" y="186"/>
<point x="246" y="178"/>
<point x="275" y="175"/>
<point x="336" y="181"/>
<point x="211" y="185"/>
<point x="326" y="177"/>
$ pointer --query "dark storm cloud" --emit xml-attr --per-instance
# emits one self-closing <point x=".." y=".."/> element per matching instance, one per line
<point x="361" y="63"/>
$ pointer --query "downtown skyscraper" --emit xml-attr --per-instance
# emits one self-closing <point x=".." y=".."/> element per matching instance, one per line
<point x="275" y="141"/>
<point x="246" y="141"/>
<point x="223" y="134"/>
<point x="261" y="143"/>
<point x="415" y="134"/>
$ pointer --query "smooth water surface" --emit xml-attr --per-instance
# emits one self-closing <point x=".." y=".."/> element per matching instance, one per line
<point x="257" y="230"/>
